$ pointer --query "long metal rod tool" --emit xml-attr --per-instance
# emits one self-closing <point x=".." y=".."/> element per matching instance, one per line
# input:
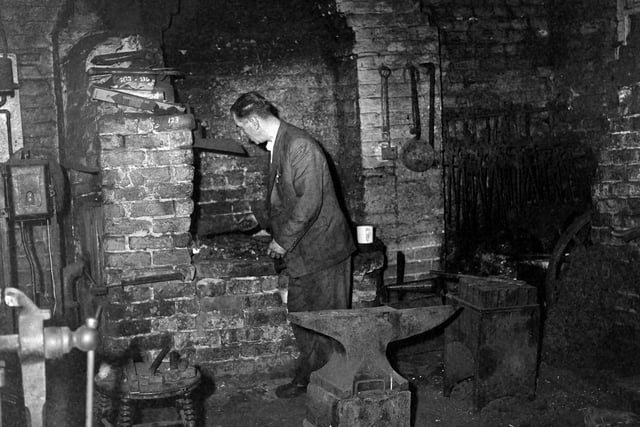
<point x="92" y="324"/>
<point x="51" y="267"/>
<point x="91" y="364"/>
<point x="2" y="382"/>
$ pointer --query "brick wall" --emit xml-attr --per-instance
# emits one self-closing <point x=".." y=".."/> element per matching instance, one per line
<point x="597" y="108"/>
<point x="584" y="48"/>
<point x="614" y="130"/>
<point x="404" y="206"/>
<point x="147" y="179"/>
<point x="131" y="181"/>
<point x="590" y="103"/>
<point x="226" y="54"/>
<point x="494" y="53"/>
<point x="326" y="80"/>
<point x="616" y="193"/>
<point x="335" y="94"/>
<point x="498" y="93"/>
<point x="240" y="331"/>
<point x="349" y="133"/>
<point x="313" y="91"/>
<point x="596" y="87"/>
<point x="228" y="186"/>
<point x="132" y="197"/>
<point x="28" y="26"/>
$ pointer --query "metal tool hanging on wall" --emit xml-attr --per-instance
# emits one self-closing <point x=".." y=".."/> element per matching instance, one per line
<point x="417" y="154"/>
<point x="388" y="152"/>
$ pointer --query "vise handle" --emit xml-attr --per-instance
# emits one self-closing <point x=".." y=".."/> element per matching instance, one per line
<point x="158" y="360"/>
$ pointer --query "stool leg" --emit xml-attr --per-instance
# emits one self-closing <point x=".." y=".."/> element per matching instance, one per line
<point x="187" y="410"/>
<point x="125" y="413"/>
<point x="102" y="407"/>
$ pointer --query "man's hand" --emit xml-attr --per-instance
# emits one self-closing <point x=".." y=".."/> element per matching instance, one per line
<point x="275" y="250"/>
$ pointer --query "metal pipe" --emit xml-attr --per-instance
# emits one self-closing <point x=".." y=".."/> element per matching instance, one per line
<point x="2" y="383"/>
<point x="32" y="265"/>
<point x="91" y="361"/>
<point x="5" y="44"/>
<point x="70" y="275"/>
<point x="416" y="128"/>
<point x="413" y="287"/>
<point x="7" y="114"/>
<point x="385" y="72"/>
<point x="148" y="279"/>
<point x="431" y="68"/>
<point x="87" y="340"/>
<point x="53" y="279"/>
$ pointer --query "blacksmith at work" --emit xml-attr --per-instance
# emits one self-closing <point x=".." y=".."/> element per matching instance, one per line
<point x="309" y="230"/>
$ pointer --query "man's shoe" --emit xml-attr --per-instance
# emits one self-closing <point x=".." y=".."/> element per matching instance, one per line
<point x="288" y="391"/>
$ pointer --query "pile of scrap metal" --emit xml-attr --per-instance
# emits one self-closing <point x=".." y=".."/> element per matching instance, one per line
<point x="130" y="79"/>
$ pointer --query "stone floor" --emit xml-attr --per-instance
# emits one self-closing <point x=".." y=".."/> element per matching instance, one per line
<point x="563" y="399"/>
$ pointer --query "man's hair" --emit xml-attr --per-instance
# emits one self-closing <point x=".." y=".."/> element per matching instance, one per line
<point x="251" y="103"/>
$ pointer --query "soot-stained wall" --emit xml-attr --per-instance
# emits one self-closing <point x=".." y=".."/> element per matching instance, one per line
<point x="532" y="52"/>
<point x="319" y="62"/>
<point x="280" y="50"/>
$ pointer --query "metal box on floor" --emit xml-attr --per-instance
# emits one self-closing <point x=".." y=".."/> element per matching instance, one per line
<point x="494" y="339"/>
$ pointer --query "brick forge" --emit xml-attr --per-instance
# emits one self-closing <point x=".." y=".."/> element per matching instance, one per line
<point x="232" y="323"/>
<point x="132" y="186"/>
<point x="131" y="180"/>
<point x="146" y="165"/>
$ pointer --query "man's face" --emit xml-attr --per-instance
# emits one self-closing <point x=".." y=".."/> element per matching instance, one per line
<point x="251" y="127"/>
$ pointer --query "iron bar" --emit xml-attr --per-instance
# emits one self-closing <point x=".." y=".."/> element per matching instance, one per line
<point x="499" y="164"/>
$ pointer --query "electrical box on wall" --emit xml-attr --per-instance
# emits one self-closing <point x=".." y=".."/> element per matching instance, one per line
<point x="29" y="191"/>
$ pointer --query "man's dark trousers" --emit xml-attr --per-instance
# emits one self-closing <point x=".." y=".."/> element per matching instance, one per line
<point x="328" y="289"/>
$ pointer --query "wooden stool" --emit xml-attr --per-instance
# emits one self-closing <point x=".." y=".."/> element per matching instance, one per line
<point x="123" y="388"/>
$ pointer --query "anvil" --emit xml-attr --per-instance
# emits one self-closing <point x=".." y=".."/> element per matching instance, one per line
<point x="365" y="333"/>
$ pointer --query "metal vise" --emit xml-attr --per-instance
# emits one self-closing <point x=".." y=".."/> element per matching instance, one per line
<point x="34" y="343"/>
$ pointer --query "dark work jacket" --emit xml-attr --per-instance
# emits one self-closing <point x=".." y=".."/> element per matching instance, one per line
<point x="306" y="218"/>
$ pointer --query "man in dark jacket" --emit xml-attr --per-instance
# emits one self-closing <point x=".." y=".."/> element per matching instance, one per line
<point x="309" y="231"/>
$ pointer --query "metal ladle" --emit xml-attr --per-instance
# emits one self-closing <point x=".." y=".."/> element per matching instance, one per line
<point x="417" y="154"/>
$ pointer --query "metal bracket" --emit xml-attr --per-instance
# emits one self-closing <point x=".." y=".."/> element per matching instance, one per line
<point x="31" y="353"/>
<point x="35" y="343"/>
